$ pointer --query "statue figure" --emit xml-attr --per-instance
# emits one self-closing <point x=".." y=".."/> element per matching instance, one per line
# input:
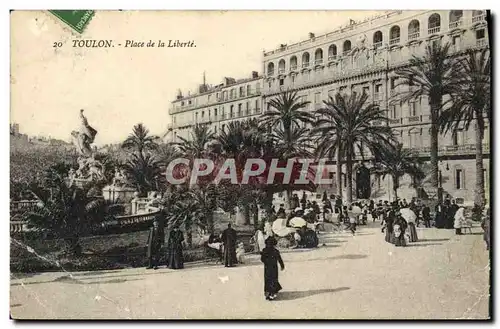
<point x="95" y="169"/>
<point x="118" y="180"/>
<point x="84" y="136"/>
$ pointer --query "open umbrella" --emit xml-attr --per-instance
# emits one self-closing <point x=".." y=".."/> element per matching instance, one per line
<point x="408" y="215"/>
<point x="355" y="210"/>
<point x="298" y="222"/>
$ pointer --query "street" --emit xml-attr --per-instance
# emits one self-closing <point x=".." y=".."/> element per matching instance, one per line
<point x="443" y="276"/>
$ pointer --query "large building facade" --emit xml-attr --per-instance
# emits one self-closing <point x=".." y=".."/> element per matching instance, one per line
<point x="362" y="57"/>
<point x="216" y="106"/>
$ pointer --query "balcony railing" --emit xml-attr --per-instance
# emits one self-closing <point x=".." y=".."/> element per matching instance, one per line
<point x="413" y="35"/>
<point x="394" y="41"/>
<point x="305" y="64"/>
<point x="466" y="149"/>
<point x="346" y="52"/>
<point x="395" y="121"/>
<point x="478" y="18"/>
<point x="332" y="57"/>
<point x="481" y="42"/>
<point x="318" y="62"/>
<point x="293" y="67"/>
<point x="434" y="30"/>
<point x="455" y="24"/>
<point x="270" y="73"/>
<point x="415" y="118"/>
<point x="377" y="45"/>
<point x="281" y="71"/>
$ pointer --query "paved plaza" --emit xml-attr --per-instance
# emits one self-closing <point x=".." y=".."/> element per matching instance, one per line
<point x="361" y="277"/>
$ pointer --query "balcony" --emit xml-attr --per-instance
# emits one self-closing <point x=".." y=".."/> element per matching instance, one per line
<point x="393" y="122"/>
<point x="304" y="65"/>
<point x="478" y="18"/>
<point x="454" y="25"/>
<point x="318" y="62"/>
<point x="434" y="30"/>
<point x="332" y="57"/>
<point x="447" y="150"/>
<point x="281" y="71"/>
<point x="377" y="45"/>
<point x="481" y="42"/>
<point x="293" y="68"/>
<point x="413" y="35"/>
<point x="346" y="52"/>
<point x="270" y="73"/>
<point x="394" y="41"/>
<point x="413" y="119"/>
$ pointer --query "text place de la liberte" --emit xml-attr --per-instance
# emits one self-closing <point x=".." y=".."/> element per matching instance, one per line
<point x="92" y="43"/>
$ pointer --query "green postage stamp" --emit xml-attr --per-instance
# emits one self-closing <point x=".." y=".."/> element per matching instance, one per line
<point x="76" y="19"/>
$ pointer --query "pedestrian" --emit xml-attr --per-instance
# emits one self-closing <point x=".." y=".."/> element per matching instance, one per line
<point x="412" y="230"/>
<point x="459" y="220"/>
<point x="352" y="222"/>
<point x="229" y="240"/>
<point x="175" y="257"/>
<point x="439" y="210"/>
<point x="270" y="256"/>
<point x="389" y="227"/>
<point x="452" y="211"/>
<point x="485" y="225"/>
<point x="399" y="228"/>
<point x="281" y="211"/>
<point x="426" y="215"/>
<point x="156" y="239"/>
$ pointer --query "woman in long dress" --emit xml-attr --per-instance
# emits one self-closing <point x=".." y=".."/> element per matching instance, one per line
<point x="270" y="256"/>
<point x="175" y="257"/>
<point x="400" y="226"/>
<point x="412" y="230"/>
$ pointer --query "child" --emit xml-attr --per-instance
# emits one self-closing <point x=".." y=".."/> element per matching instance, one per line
<point x="240" y="251"/>
<point x="270" y="256"/>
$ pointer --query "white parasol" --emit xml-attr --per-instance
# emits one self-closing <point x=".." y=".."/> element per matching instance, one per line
<point x="355" y="210"/>
<point x="298" y="222"/>
<point x="280" y="229"/>
<point x="408" y="215"/>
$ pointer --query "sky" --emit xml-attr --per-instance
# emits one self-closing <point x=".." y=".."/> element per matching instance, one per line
<point x="120" y="87"/>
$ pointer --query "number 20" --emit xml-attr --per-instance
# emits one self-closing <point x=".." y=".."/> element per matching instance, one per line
<point x="57" y="44"/>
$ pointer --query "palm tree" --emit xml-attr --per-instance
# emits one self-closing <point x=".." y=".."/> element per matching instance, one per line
<point x="197" y="145"/>
<point x="144" y="171"/>
<point x="471" y="103"/>
<point x="397" y="161"/>
<point x="435" y="76"/>
<point x="353" y="129"/>
<point x="285" y="122"/>
<point x="140" y="140"/>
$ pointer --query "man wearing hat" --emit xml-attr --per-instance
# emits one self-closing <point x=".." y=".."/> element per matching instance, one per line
<point x="156" y="239"/>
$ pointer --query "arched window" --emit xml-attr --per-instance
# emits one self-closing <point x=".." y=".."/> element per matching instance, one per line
<point x="347" y="47"/>
<point x="293" y="63"/>
<point x="332" y="52"/>
<point x="394" y="35"/>
<point x="305" y="60"/>
<point x="456" y="18"/>
<point x="434" y="23"/>
<point x="413" y="29"/>
<point x="377" y="39"/>
<point x="318" y="56"/>
<point x="281" y="66"/>
<point x="270" y="69"/>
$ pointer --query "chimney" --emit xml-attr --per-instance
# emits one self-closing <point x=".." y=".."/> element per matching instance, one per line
<point x="255" y="74"/>
<point x="179" y="94"/>
<point x="311" y="35"/>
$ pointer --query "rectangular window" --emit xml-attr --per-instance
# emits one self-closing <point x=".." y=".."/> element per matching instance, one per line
<point x="202" y="114"/>
<point x="393" y="83"/>
<point x="257" y="106"/>
<point x="317" y="98"/>
<point x="257" y="87"/>
<point x="393" y="111"/>
<point x="458" y="179"/>
<point x="282" y="82"/>
<point x="456" y="42"/>
<point x="480" y="34"/>
<point x="366" y="90"/>
<point x="413" y="110"/>
<point x="215" y="112"/>
<point x="293" y="79"/>
<point x="378" y="88"/>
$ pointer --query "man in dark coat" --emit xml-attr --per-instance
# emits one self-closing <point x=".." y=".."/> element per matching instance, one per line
<point x="338" y="205"/>
<point x="156" y="239"/>
<point x="270" y="256"/>
<point x="451" y="214"/>
<point x="229" y="241"/>
<point x="426" y="215"/>
<point x="295" y="201"/>
<point x="175" y="257"/>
